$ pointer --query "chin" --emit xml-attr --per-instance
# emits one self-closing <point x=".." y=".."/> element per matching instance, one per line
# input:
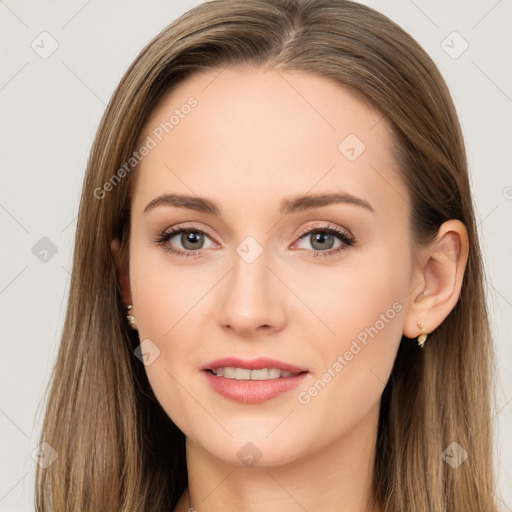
<point x="254" y="451"/>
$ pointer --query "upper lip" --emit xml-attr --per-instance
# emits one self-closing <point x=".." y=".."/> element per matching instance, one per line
<point x="253" y="364"/>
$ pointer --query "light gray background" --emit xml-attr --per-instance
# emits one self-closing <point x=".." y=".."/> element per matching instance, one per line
<point x="50" y="109"/>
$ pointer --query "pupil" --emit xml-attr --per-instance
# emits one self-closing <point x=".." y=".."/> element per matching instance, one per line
<point x="191" y="238"/>
<point x="320" y="237"/>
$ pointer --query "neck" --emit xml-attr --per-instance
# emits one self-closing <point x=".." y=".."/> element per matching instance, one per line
<point x="338" y="477"/>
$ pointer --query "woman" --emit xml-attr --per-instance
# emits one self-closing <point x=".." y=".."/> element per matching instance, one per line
<point x="276" y="298"/>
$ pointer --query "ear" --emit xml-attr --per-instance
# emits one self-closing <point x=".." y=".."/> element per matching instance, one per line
<point x="122" y="272"/>
<point x="438" y="279"/>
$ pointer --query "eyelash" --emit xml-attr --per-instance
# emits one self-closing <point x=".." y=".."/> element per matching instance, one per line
<point x="347" y="240"/>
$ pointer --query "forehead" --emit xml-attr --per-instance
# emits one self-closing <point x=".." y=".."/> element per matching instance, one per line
<point x="243" y="136"/>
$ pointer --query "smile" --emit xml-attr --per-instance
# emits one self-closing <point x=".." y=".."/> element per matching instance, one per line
<point x="230" y="372"/>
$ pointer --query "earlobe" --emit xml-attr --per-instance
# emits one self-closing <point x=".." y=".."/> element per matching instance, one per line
<point x="440" y="280"/>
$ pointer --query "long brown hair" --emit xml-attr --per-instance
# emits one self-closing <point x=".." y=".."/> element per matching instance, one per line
<point x="117" y="449"/>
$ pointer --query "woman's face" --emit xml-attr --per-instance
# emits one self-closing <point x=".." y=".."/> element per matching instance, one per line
<point x="250" y="277"/>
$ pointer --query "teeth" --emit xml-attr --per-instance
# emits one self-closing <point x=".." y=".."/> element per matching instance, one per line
<point x="242" y="374"/>
<point x="274" y="373"/>
<point x="230" y="372"/>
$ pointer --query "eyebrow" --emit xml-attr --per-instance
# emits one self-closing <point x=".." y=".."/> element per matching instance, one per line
<point x="296" y="204"/>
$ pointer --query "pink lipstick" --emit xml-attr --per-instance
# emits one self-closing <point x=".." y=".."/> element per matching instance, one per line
<point x="252" y="381"/>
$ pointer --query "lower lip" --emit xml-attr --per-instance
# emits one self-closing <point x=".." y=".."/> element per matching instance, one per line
<point x="253" y="391"/>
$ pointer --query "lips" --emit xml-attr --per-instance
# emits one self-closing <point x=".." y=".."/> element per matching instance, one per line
<point x="252" y="391"/>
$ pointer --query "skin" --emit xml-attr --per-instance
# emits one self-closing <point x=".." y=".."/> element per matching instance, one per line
<point x="255" y="138"/>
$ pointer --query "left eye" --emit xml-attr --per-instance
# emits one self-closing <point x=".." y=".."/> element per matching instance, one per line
<point x="321" y="240"/>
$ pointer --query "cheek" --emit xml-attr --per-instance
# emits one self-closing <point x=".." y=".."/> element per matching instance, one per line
<point x="364" y="307"/>
<point x="165" y="300"/>
<point x="364" y="295"/>
<point x="162" y="292"/>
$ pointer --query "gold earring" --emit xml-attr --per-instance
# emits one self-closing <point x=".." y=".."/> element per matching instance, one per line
<point x="130" y="318"/>
<point x="423" y="335"/>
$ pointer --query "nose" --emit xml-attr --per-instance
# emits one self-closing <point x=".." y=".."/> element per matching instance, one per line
<point x="252" y="299"/>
